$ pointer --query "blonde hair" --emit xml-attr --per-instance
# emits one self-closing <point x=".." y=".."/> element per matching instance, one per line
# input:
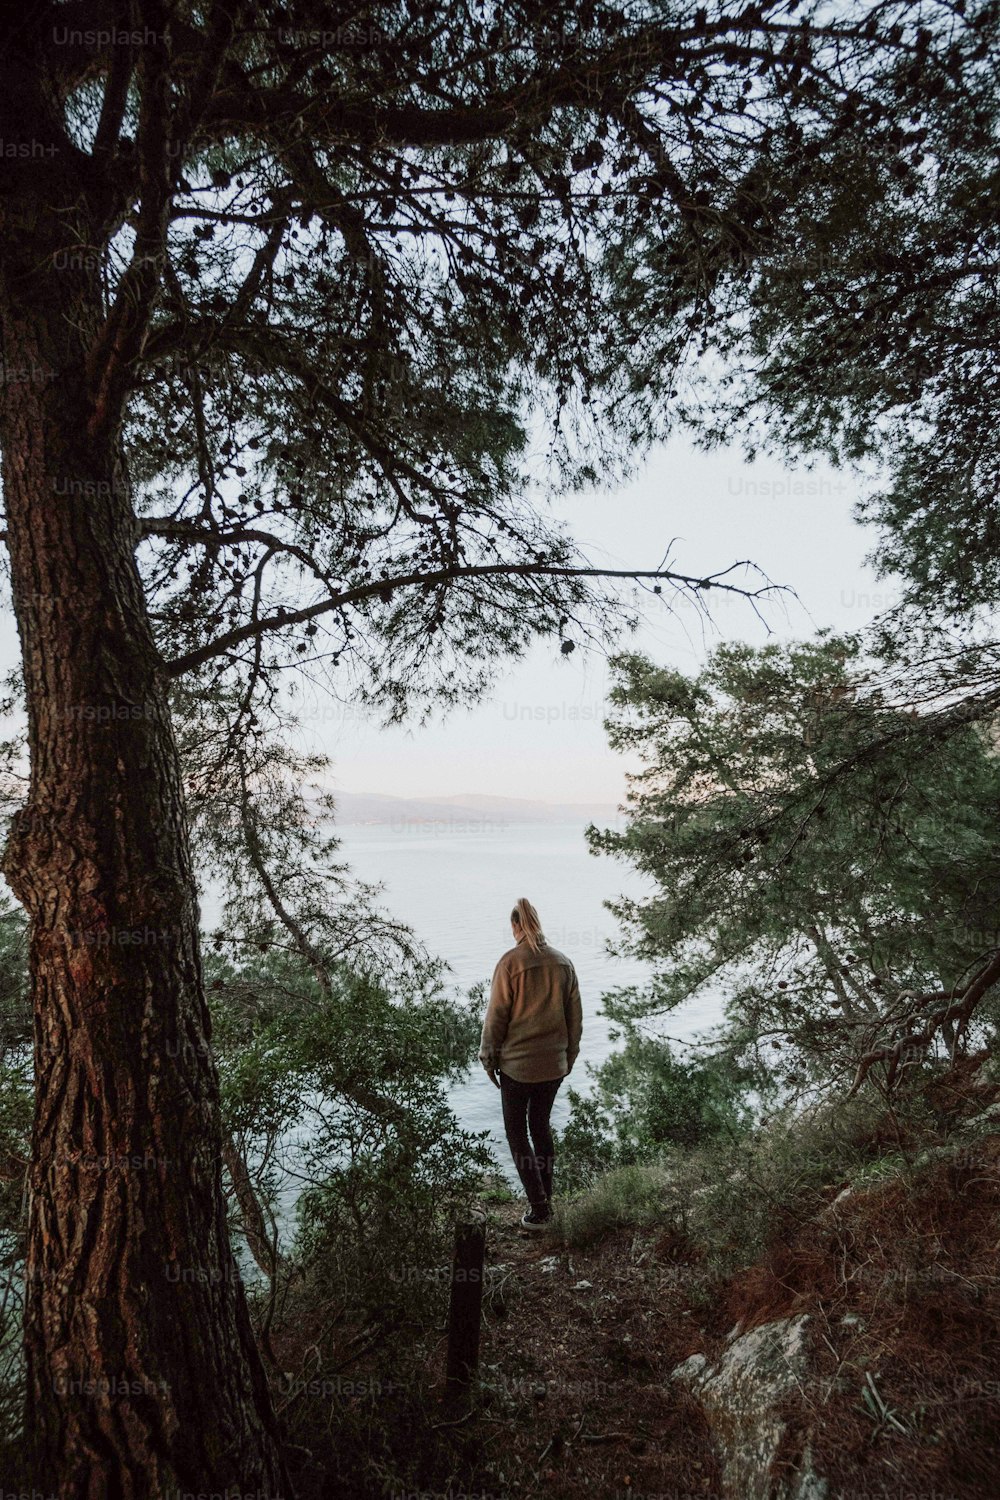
<point x="525" y="917"/>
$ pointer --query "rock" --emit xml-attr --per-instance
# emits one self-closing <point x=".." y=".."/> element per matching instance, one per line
<point x="742" y="1397"/>
<point x="990" y="1070"/>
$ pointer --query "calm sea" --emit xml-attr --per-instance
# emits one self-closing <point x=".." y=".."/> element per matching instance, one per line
<point x="455" y="885"/>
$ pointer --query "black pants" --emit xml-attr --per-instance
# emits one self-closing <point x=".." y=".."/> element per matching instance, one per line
<point x="526" y="1107"/>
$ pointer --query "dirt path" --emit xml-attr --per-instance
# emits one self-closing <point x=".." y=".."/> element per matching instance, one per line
<point x="577" y="1350"/>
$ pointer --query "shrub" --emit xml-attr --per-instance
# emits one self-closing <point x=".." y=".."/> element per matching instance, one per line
<point x="646" y="1099"/>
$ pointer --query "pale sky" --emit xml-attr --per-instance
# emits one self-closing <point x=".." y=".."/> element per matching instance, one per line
<point x="539" y="733"/>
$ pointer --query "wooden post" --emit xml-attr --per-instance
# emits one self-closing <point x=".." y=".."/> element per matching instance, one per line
<point x="465" y="1306"/>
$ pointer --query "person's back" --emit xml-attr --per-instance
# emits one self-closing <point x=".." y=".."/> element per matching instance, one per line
<point x="533" y="1024"/>
<point x="531" y="1037"/>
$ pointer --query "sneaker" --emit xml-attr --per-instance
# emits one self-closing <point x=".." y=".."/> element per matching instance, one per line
<point x="536" y="1218"/>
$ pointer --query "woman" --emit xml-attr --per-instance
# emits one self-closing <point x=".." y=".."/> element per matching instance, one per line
<point x="531" y="1036"/>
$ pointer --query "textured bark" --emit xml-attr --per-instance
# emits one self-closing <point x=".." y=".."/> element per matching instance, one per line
<point x="143" y="1373"/>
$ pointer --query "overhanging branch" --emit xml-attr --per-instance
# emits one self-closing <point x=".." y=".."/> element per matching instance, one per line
<point x="587" y="80"/>
<point x="385" y="587"/>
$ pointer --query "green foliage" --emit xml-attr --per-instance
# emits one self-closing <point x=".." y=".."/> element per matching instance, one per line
<point x="335" y="1095"/>
<point x="264" y="836"/>
<point x="865" y="322"/>
<point x="637" y="1195"/>
<point x="816" y="851"/>
<point x="337" y="1102"/>
<point x="726" y="1199"/>
<point x="734" y="1199"/>
<point x="645" y="1098"/>
<point x="383" y="266"/>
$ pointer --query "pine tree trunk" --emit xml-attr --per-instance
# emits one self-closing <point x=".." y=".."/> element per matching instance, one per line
<point x="143" y="1373"/>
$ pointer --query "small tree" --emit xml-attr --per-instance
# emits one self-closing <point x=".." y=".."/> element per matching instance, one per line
<point x="646" y="1099"/>
<point x="821" y="858"/>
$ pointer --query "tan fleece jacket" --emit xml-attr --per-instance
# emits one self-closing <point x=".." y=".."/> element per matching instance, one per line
<point x="534" y="1019"/>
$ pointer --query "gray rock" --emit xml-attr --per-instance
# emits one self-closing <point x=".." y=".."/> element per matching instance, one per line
<point x="741" y="1396"/>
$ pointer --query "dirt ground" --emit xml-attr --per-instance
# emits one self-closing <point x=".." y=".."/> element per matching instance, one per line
<point x="899" y="1279"/>
<point x="903" y="1295"/>
<point x="576" y="1354"/>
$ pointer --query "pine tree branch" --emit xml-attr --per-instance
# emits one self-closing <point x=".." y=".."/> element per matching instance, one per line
<point x="385" y="587"/>
<point x="164" y="134"/>
<point x="593" y="79"/>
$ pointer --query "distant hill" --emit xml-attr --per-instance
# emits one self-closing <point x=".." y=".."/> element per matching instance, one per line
<point x="466" y="811"/>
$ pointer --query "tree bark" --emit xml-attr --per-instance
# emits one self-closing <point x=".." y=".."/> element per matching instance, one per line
<point x="143" y="1374"/>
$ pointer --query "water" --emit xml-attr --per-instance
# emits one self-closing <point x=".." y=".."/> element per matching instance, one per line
<point x="455" y="886"/>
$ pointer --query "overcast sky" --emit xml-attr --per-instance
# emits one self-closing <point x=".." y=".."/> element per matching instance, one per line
<point x="539" y="734"/>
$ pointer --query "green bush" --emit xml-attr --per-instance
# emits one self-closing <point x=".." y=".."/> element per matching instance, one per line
<point x="646" y="1099"/>
<point x="336" y="1097"/>
<point x="730" y="1195"/>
